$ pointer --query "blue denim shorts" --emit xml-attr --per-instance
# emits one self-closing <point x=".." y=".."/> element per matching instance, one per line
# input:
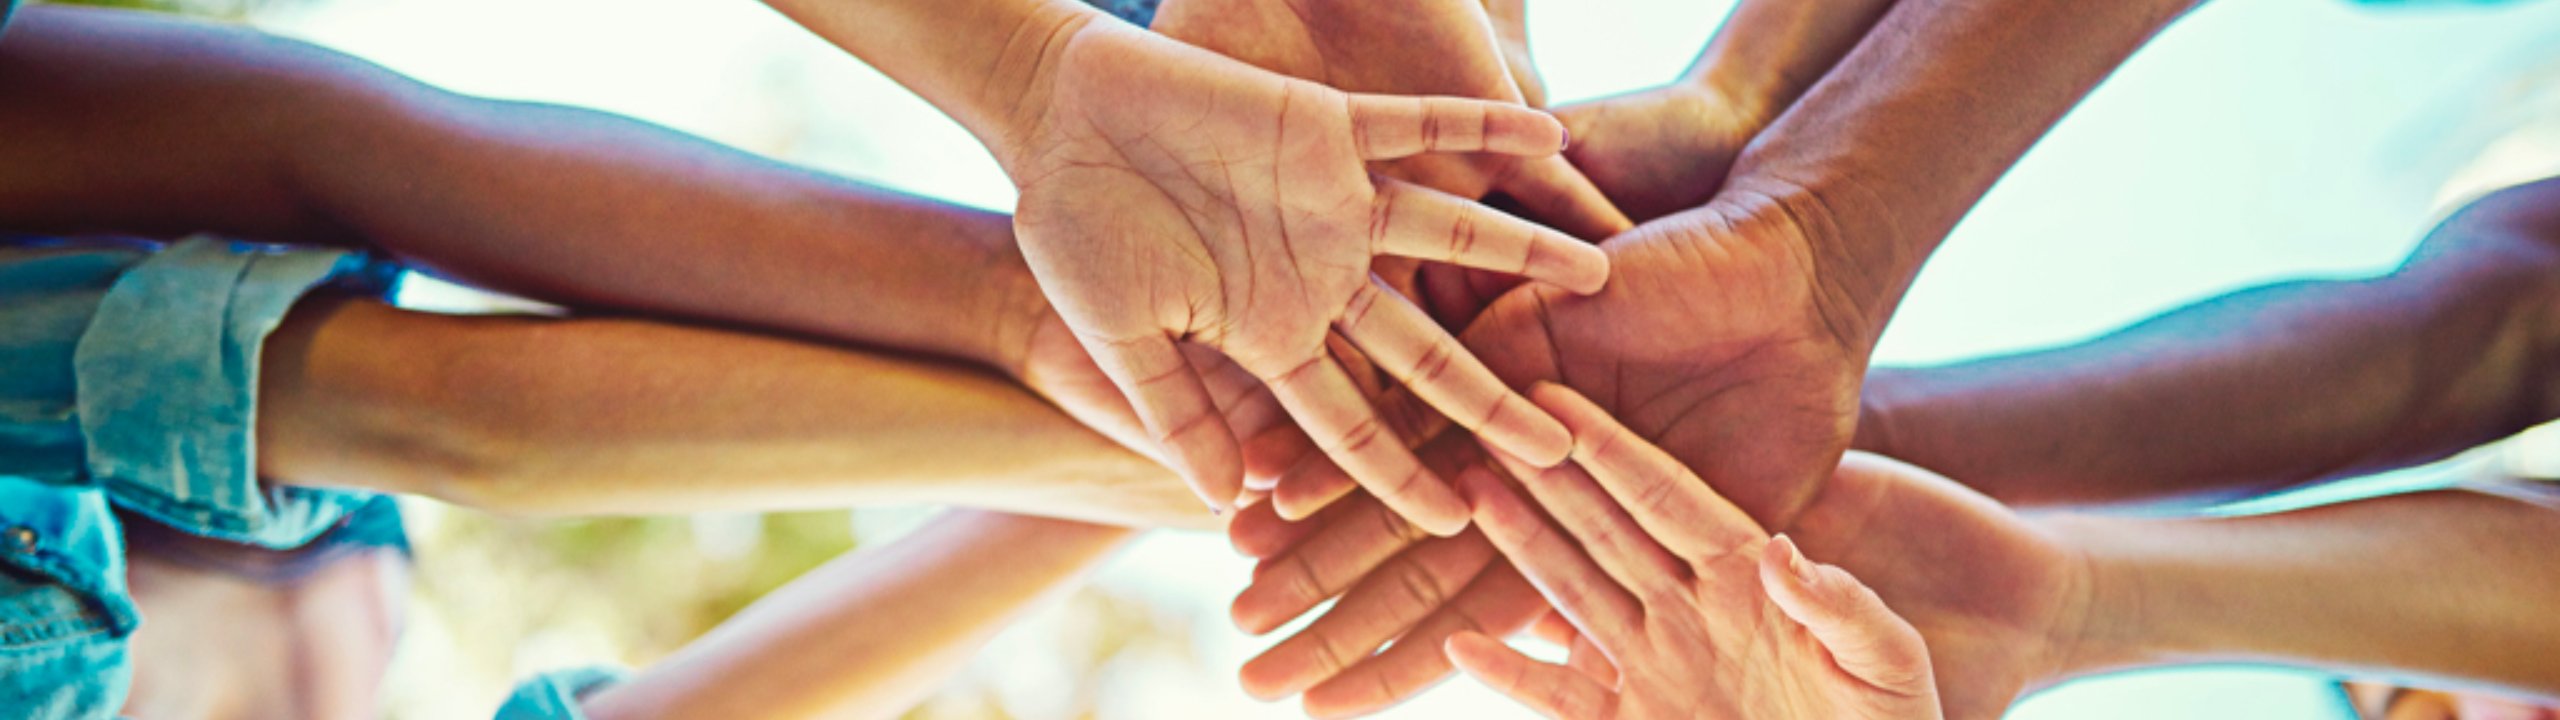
<point x="128" y="382"/>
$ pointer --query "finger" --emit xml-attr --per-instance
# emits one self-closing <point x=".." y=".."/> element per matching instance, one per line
<point x="1554" y="628"/>
<point x="1176" y="409"/>
<point x="1403" y="341"/>
<point x="1600" y="607"/>
<point x="1587" y="659"/>
<point x="1672" y="504"/>
<point x="1380" y="607"/>
<point x="1352" y="541"/>
<point x="1270" y="456"/>
<point x="1498" y="603"/>
<point x="1257" y="532"/>
<point x="1341" y="422"/>
<point x="1556" y="193"/>
<point x="1387" y="127"/>
<point x="1414" y="221"/>
<point x="1865" y="638"/>
<point x="1552" y="690"/>
<point x="1605" y="531"/>
<point x="1315" y="484"/>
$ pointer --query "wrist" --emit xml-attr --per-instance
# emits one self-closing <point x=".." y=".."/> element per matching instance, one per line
<point x="1021" y="85"/>
<point x="2111" y="630"/>
<point x="1858" y="272"/>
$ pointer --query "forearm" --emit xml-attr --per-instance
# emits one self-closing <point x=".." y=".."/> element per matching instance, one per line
<point x="986" y="63"/>
<point x="1883" y="156"/>
<point x="870" y="634"/>
<point x="1769" y="52"/>
<point x="540" y="415"/>
<point x="2261" y="389"/>
<point x="2449" y="585"/>
<point x="132" y="124"/>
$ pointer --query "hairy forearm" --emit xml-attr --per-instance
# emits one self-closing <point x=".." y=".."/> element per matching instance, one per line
<point x="125" y="123"/>
<point x="2453" y="586"/>
<point x="537" y="415"/>
<point x="2264" y="388"/>
<point x="870" y="634"/>
<point x="1883" y="156"/>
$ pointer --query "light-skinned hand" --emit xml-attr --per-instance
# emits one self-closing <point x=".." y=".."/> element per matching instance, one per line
<point x="1695" y="610"/>
<point x="1170" y="195"/>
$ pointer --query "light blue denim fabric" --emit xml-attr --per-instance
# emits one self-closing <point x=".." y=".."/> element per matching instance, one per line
<point x="128" y="378"/>
<point x="554" y="695"/>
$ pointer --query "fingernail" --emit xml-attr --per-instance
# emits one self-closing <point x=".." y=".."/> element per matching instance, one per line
<point x="1568" y="139"/>
<point x="1796" y="561"/>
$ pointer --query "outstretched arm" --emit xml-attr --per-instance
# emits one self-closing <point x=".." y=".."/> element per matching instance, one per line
<point x="538" y="415"/>
<point x="2263" y="388"/>
<point x="123" y="122"/>
<point x="2451" y="586"/>
<point x="870" y="634"/>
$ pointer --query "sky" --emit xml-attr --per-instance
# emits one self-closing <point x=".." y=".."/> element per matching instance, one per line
<point x="2258" y="139"/>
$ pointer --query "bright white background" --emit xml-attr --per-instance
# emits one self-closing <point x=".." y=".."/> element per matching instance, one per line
<point x="2258" y="139"/>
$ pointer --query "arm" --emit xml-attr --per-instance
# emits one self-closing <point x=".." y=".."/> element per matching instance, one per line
<point x="1877" y="163"/>
<point x="123" y="122"/>
<point x="2452" y="586"/>
<point x="2263" y="388"/>
<point x="585" y="416"/>
<point x="869" y="634"/>
<point x="1667" y="149"/>
<point x="1169" y="195"/>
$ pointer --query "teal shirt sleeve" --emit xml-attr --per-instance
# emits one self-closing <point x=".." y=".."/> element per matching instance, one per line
<point x="167" y="376"/>
<point x="554" y="695"/>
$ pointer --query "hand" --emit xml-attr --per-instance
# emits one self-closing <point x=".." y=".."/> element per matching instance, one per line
<point x="1428" y="47"/>
<point x="1695" y="609"/>
<point x="1660" y="151"/>
<point x="2000" y="602"/>
<point x="1726" y="337"/>
<point x="1422" y="47"/>
<point x="1168" y="194"/>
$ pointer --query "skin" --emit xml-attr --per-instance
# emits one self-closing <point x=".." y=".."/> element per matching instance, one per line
<point x="1697" y="611"/>
<point x="2262" y="389"/>
<point x="872" y="633"/>
<point x="1259" y="259"/>
<point x="1436" y="47"/>
<point x="134" y="124"/>
<point x="1734" y="335"/>
<point x="571" y="416"/>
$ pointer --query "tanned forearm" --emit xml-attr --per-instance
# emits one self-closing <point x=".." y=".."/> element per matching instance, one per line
<point x="2264" y="388"/>
<point x="539" y="415"/>
<point x="1883" y="156"/>
<point x="872" y="633"/>
<point x="125" y="123"/>
<point x="2450" y="586"/>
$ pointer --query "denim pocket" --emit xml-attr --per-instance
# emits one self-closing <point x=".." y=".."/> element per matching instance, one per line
<point x="64" y="610"/>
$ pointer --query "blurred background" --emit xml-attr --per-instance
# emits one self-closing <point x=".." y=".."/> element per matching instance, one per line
<point x="2259" y="139"/>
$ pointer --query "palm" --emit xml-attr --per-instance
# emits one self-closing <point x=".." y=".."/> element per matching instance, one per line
<point x="1172" y="195"/>
<point x="1231" y="226"/>
<point x="1712" y="341"/>
<point x="1437" y="47"/>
